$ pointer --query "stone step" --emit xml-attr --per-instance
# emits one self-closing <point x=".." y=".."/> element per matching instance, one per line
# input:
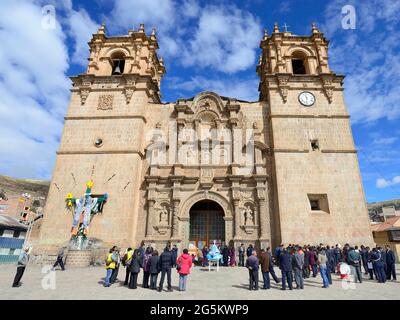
<point x="79" y="258"/>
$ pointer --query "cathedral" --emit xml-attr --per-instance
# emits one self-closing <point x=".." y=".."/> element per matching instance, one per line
<point x="208" y="168"/>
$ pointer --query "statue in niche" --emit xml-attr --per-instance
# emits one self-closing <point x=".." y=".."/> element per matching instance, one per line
<point x="248" y="216"/>
<point x="164" y="215"/>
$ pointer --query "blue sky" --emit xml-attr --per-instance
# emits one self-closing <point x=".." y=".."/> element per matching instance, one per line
<point x="206" y="45"/>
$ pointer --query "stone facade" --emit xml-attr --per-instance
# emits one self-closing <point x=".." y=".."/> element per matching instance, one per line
<point x="265" y="173"/>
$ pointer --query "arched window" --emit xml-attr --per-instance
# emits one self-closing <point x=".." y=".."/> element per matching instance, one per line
<point x="299" y="63"/>
<point x="118" y="63"/>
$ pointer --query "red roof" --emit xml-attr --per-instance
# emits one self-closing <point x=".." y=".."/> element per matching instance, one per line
<point x="388" y="224"/>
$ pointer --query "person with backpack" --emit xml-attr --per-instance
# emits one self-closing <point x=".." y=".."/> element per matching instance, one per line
<point x="154" y="266"/>
<point x="146" y="267"/>
<point x="126" y="262"/>
<point x="110" y="266"/>
<point x="183" y="265"/>
<point x="136" y="264"/>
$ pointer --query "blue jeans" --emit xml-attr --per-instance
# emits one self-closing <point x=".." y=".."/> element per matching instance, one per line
<point x="298" y="277"/>
<point x="314" y="270"/>
<point x="182" y="282"/>
<point x="108" y="277"/>
<point x="267" y="284"/>
<point x="287" y="276"/>
<point x="324" y="276"/>
<point x="380" y="271"/>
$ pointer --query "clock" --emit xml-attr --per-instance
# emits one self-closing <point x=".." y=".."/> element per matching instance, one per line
<point x="306" y="98"/>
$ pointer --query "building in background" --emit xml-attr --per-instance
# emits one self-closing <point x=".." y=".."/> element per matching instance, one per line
<point x="381" y="211"/>
<point x="388" y="233"/>
<point x="12" y="237"/>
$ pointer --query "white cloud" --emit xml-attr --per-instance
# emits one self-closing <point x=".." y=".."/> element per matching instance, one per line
<point x="154" y="13"/>
<point x="385" y="141"/>
<point x="81" y="28"/>
<point x="383" y="183"/>
<point x="369" y="56"/>
<point x="33" y="89"/>
<point x="226" y="39"/>
<point x="220" y="37"/>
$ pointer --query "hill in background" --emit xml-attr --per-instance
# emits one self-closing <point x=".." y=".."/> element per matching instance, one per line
<point x="12" y="186"/>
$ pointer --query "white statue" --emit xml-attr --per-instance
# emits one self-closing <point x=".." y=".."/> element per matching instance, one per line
<point x="248" y="216"/>
<point x="164" y="215"/>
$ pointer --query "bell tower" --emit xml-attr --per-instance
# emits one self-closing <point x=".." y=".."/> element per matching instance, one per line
<point x="102" y="137"/>
<point x="319" y="196"/>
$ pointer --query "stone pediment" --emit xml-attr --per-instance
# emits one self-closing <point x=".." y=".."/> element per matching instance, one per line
<point x="204" y="103"/>
<point x="207" y="102"/>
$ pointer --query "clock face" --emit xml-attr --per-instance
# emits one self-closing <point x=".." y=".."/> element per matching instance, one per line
<point x="306" y="98"/>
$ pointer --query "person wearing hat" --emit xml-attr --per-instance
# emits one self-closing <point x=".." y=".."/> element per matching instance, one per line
<point x="21" y="266"/>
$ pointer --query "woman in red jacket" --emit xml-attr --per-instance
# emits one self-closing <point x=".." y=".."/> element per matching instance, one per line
<point x="183" y="265"/>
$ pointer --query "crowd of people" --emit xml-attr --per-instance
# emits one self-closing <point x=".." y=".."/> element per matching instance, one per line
<point x="152" y="264"/>
<point x="300" y="262"/>
<point x="295" y="262"/>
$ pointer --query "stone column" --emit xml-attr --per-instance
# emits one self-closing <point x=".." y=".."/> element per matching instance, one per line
<point x="150" y="218"/>
<point x="175" y="221"/>
<point x="237" y="217"/>
<point x="264" y="212"/>
<point x="176" y="180"/>
<point x="265" y="222"/>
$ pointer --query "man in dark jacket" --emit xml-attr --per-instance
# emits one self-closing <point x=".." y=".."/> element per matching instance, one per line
<point x="383" y="253"/>
<point x="331" y="259"/>
<point x="391" y="264"/>
<point x="277" y="253"/>
<point x="364" y="258"/>
<point x="154" y="265"/>
<point x="285" y="264"/>
<point x="306" y="268"/>
<point x="174" y="254"/>
<point x="377" y="262"/>
<point x="265" y="262"/>
<point x="136" y="264"/>
<point x="338" y="255"/>
<point x="241" y="255"/>
<point x="166" y="263"/>
<point x="249" y="251"/>
<point x="252" y="263"/>
<point x="225" y="255"/>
